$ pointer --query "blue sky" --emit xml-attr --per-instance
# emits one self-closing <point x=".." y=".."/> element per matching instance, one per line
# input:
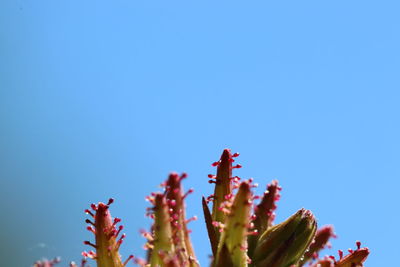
<point x="103" y="99"/>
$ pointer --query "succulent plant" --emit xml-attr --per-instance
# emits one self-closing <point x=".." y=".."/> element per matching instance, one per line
<point x="241" y="233"/>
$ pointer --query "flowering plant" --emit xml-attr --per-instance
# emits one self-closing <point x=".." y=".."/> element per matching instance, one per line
<point x="241" y="233"/>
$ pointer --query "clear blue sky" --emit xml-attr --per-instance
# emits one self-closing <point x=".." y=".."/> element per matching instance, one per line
<point x="103" y="99"/>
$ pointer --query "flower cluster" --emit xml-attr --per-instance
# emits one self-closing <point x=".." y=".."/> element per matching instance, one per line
<point x="242" y="233"/>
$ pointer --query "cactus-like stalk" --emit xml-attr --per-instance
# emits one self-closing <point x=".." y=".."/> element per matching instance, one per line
<point x="181" y="239"/>
<point x="235" y="229"/>
<point x="355" y="258"/>
<point x="264" y="213"/>
<point x="107" y="235"/>
<point x="223" y="184"/>
<point x="241" y="233"/>
<point x="162" y="245"/>
<point x="321" y="240"/>
<point x="168" y="242"/>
